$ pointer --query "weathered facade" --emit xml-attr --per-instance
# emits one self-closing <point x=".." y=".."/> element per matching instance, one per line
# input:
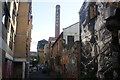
<point x="46" y="53"/>
<point x="22" y="39"/>
<point x="71" y="33"/>
<point x="11" y="24"/>
<point x="11" y="39"/>
<point x="99" y="26"/>
<point x="51" y="41"/>
<point x="56" y="52"/>
<point x="40" y="50"/>
<point x="9" y="11"/>
<point x="70" y="51"/>
<point x="65" y="52"/>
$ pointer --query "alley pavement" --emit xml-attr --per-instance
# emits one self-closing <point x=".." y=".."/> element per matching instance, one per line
<point x="39" y="75"/>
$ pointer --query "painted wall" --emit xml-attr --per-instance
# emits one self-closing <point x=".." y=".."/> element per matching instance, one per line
<point x="72" y="30"/>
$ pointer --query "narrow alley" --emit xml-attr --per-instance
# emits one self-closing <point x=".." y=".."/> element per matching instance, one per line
<point x="60" y="39"/>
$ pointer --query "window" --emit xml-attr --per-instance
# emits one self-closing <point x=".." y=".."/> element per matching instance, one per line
<point x="57" y="60"/>
<point x="13" y="16"/>
<point x="14" y="12"/>
<point x="93" y="10"/>
<point x="70" y="39"/>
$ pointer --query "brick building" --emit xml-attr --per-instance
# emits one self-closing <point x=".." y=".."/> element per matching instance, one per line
<point x="64" y="52"/>
<point x="22" y="39"/>
<point x="15" y="38"/>
<point x="99" y="39"/>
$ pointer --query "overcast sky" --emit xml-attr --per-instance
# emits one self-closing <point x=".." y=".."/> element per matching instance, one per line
<point x="44" y="18"/>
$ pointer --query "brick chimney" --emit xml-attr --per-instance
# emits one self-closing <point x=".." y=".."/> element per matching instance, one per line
<point x="57" y="21"/>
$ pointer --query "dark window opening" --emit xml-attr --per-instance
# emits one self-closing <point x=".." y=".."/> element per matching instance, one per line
<point x="70" y="39"/>
<point x="11" y="39"/>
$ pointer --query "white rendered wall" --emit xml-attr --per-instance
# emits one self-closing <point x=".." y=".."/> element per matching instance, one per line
<point x="72" y="30"/>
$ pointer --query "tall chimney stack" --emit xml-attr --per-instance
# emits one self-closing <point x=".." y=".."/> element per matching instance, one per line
<point x="57" y="21"/>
